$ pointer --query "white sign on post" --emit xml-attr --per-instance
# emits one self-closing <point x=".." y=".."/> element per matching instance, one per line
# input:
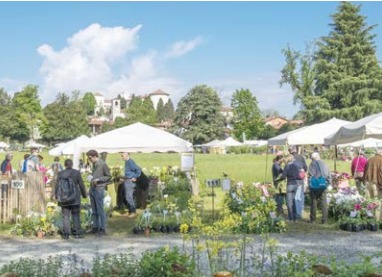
<point x="187" y="162"/>
<point x="17" y="184"/>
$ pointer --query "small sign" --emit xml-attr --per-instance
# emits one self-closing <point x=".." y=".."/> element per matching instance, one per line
<point x="213" y="182"/>
<point x="226" y="184"/>
<point x="17" y="184"/>
<point x="187" y="162"/>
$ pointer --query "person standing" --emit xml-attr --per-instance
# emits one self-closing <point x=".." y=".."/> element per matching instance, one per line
<point x="132" y="172"/>
<point x="98" y="181"/>
<point x="6" y="166"/>
<point x="277" y="173"/>
<point x="373" y="176"/>
<point x="318" y="168"/>
<point x="300" y="195"/>
<point x="292" y="174"/>
<point x="358" y="165"/>
<point x="33" y="160"/>
<point x="71" y="210"/>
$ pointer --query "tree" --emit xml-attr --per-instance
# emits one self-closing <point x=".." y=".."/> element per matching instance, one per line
<point x="123" y="102"/>
<point x="161" y="113"/>
<point x="198" y="115"/>
<point x="169" y="111"/>
<point x="28" y="109"/>
<point x="66" y="119"/>
<point x="141" y="111"/>
<point x="246" y="115"/>
<point x="89" y="103"/>
<point x="345" y="74"/>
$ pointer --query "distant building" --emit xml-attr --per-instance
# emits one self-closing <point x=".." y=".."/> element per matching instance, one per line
<point x="276" y="121"/>
<point x="157" y="95"/>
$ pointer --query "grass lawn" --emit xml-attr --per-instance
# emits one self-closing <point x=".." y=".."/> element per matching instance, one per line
<point x="243" y="167"/>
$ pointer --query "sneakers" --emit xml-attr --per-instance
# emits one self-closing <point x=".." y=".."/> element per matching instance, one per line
<point x="93" y="231"/>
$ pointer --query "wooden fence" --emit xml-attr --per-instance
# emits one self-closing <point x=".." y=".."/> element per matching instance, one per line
<point x="19" y="197"/>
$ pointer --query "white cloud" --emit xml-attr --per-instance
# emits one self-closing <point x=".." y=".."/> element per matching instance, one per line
<point x="12" y="85"/>
<point x="180" y="48"/>
<point x="101" y="59"/>
<point x="264" y="86"/>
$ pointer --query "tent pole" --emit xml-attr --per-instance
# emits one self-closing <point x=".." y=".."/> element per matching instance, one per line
<point x="335" y="157"/>
<point x="266" y="165"/>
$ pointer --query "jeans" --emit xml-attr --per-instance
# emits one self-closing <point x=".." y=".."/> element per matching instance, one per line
<point x="98" y="212"/>
<point x="300" y="200"/>
<point x="129" y="195"/>
<point x="291" y="201"/>
<point x="314" y="197"/>
<point x="280" y="200"/>
<point x="74" y="211"/>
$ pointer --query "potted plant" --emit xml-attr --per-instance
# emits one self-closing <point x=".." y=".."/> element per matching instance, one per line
<point x="372" y="224"/>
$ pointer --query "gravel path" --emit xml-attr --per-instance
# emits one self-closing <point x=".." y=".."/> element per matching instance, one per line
<point x="344" y="245"/>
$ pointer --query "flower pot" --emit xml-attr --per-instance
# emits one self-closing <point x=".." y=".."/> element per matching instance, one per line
<point x="137" y="230"/>
<point x="177" y="228"/>
<point x="146" y="232"/>
<point x="349" y="227"/>
<point x="223" y="274"/>
<point x="373" y="227"/>
<point x="357" y="228"/>
<point x="170" y="229"/>
<point x="343" y="226"/>
<point x="157" y="229"/>
<point x="40" y="234"/>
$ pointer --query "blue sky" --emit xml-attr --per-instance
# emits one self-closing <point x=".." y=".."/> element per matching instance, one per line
<point x="138" y="47"/>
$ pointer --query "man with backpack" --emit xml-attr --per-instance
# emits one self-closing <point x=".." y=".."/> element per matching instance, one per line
<point x="68" y="193"/>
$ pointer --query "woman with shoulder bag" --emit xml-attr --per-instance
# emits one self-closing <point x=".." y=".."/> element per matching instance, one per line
<point x="358" y="165"/>
<point x="318" y="170"/>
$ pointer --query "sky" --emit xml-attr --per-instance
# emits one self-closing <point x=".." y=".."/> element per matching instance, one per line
<point x="139" y="47"/>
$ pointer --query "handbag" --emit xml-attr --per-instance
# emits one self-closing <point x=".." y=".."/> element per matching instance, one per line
<point x="318" y="183"/>
<point x="358" y="175"/>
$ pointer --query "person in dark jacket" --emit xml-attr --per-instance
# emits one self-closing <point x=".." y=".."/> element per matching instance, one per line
<point x="291" y="173"/>
<point x="277" y="173"/>
<point x="72" y="210"/>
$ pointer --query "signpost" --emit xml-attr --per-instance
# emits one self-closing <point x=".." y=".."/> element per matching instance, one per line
<point x="212" y="183"/>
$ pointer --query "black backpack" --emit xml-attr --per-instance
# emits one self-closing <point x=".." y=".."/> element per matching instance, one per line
<point x="66" y="191"/>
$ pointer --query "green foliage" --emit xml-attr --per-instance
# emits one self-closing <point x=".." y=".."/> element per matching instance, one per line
<point x="26" y="104"/>
<point x="161" y="113"/>
<point x="124" y="264"/>
<point x="166" y="262"/>
<point x="169" y="111"/>
<point x="66" y="119"/>
<point x="141" y="110"/>
<point x="123" y="102"/>
<point x="246" y="115"/>
<point x="89" y="102"/>
<point x="342" y="77"/>
<point x="198" y="115"/>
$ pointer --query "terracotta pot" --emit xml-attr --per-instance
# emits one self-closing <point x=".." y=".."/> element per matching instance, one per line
<point x="40" y="234"/>
<point x="223" y="274"/>
<point x="147" y="232"/>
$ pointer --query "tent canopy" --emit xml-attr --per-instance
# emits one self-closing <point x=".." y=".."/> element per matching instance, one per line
<point x="367" y="127"/>
<point x="223" y="143"/>
<point x="32" y="144"/>
<point x="137" y="137"/>
<point x="68" y="147"/>
<point x="313" y="134"/>
<point x="365" y="143"/>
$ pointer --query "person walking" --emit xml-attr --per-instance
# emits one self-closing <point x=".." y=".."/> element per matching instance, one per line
<point x="98" y="181"/>
<point x="358" y="165"/>
<point x="277" y="172"/>
<point x="6" y="166"/>
<point x="292" y="174"/>
<point x="72" y="210"/>
<point x="131" y="174"/>
<point x="300" y="193"/>
<point x="373" y="179"/>
<point x="318" y="168"/>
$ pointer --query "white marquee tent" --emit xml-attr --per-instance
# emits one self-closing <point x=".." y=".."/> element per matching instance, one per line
<point x="68" y="147"/>
<point x="313" y="134"/>
<point x="365" y="143"/>
<point x="367" y="127"/>
<point x="230" y="141"/>
<point x="137" y="137"/>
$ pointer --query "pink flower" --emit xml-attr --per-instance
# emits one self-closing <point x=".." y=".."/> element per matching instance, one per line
<point x="357" y="206"/>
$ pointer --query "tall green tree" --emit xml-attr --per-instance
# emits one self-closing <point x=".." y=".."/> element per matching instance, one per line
<point x="141" y="110"/>
<point x="161" y="113"/>
<point x="89" y="102"/>
<point x="198" y="115"/>
<point x="169" y="111"/>
<point x="246" y="115"/>
<point x="123" y="102"/>
<point x="66" y="119"/>
<point x="347" y="79"/>
<point x="28" y="108"/>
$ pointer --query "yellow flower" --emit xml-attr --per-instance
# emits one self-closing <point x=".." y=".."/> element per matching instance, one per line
<point x="183" y="228"/>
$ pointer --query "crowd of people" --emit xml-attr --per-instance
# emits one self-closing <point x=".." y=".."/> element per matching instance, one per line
<point x="292" y="184"/>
